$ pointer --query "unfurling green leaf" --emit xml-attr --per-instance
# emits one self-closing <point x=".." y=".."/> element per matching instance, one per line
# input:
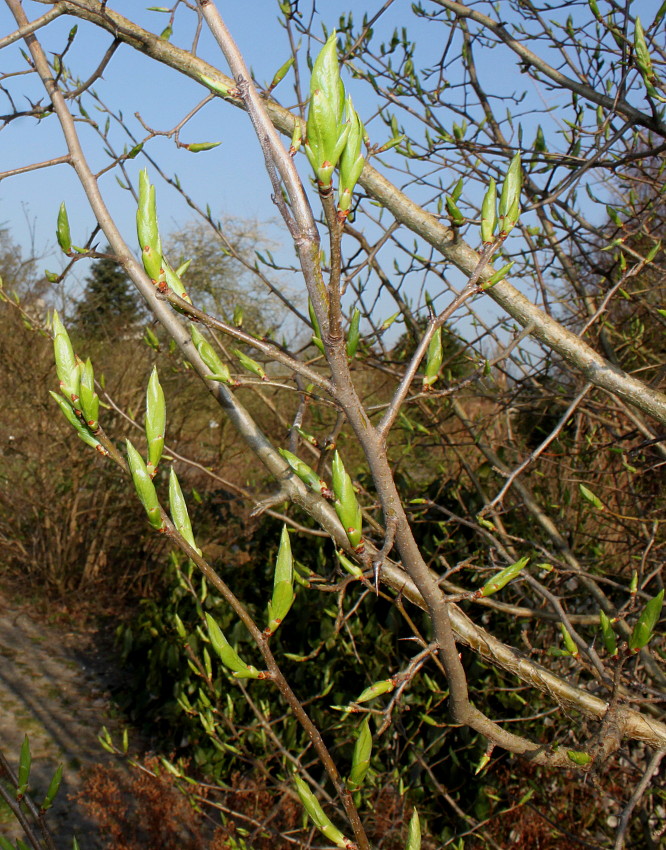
<point x="281" y="73"/>
<point x="317" y="815"/>
<point x="500" y="274"/>
<point x="178" y="510"/>
<point x="352" y="568"/>
<point x="642" y="631"/>
<point x="62" y="230"/>
<point x="351" y="160"/>
<point x="147" y="229"/>
<point x="503" y="577"/>
<point x="144" y="487"/>
<point x="67" y="366"/>
<point x="227" y="653"/>
<point x="283" y="584"/>
<point x="155" y="422"/>
<point x="346" y="505"/>
<point x="361" y="756"/>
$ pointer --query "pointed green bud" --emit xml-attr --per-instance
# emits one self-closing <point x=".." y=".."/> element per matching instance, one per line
<point x="500" y="274"/>
<point x="346" y="505"/>
<point x="83" y="432"/>
<point x="353" y="336"/>
<point x="352" y="568"/>
<point x="306" y="473"/>
<point x="210" y="357"/>
<point x="227" y="653"/>
<point x="376" y="690"/>
<point x="318" y="817"/>
<point x="88" y="397"/>
<point x="489" y="213"/>
<point x="351" y="160"/>
<point x="199" y="147"/>
<point x="53" y="788"/>
<point x="361" y="757"/>
<point x="155" y="421"/>
<point x="281" y="73"/>
<point x="296" y="139"/>
<point x="433" y="360"/>
<point x="251" y="365"/>
<point x="67" y="366"/>
<point x="144" y="486"/>
<point x="218" y="87"/>
<point x="503" y="577"/>
<point x="62" y="230"/>
<point x="578" y="757"/>
<point x="642" y="631"/>
<point x="591" y="497"/>
<point x="569" y="642"/>
<point x="283" y="584"/>
<point x="174" y="282"/>
<point x="457" y="218"/>
<point x="147" y="229"/>
<point x="509" y="204"/>
<point x="414" y="833"/>
<point x="178" y="510"/>
<point x="607" y="633"/>
<point x="25" y="762"/>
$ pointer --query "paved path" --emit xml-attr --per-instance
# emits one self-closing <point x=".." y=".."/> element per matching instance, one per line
<point x="52" y="688"/>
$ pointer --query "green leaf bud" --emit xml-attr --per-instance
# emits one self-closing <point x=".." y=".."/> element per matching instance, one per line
<point x="376" y="690"/>
<point x="414" y="833"/>
<point x="88" y="397"/>
<point x="607" y="633"/>
<point x="67" y="367"/>
<point x="210" y="357"/>
<point x="218" y="87"/>
<point x="433" y="360"/>
<point x="306" y="473"/>
<point x="227" y="653"/>
<point x="503" y="577"/>
<point x="361" y="756"/>
<point x="147" y="229"/>
<point x="579" y="757"/>
<point x="489" y="213"/>
<point x="317" y="815"/>
<point x="500" y="274"/>
<point x="155" y="421"/>
<point x="62" y="230"/>
<point x="642" y="631"/>
<point x="144" y="486"/>
<point x="346" y="505"/>
<point x="509" y="204"/>
<point x="642" y="53"/>
<point x="283" y="584"/>
<point x="251" y="365"/>
<point x="53" y="788"/>
<point x="25" y="762"/>
<point x="281" y="73"/>
<point x="352" y="568"/>
<point x="351" y="160"/>
<point x="457" y="218"/>
<point x="178" y="510"/>
<point x="569" y="642"/>
<point x="353" y="336"/>
<point x="174" y="282"/>
<point x="83" y="432"/>
<point x="296" y="138"/>
<point x="590" y="497"/>
<point x="199" y="147"/>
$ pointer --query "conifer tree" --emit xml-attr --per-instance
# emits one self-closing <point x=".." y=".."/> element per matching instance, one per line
<point x="108" y="305"/>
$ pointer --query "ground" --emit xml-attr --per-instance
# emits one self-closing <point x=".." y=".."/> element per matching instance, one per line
<point x="54" y="687"/>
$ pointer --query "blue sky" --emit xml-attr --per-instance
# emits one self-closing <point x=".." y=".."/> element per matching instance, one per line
<point x="230" y="178"/>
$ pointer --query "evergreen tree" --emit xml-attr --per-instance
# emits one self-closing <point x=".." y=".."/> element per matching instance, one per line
<point x="109" y="305"/>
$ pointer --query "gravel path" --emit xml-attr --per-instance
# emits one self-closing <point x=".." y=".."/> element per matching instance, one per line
<point x="54" y="687"/>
